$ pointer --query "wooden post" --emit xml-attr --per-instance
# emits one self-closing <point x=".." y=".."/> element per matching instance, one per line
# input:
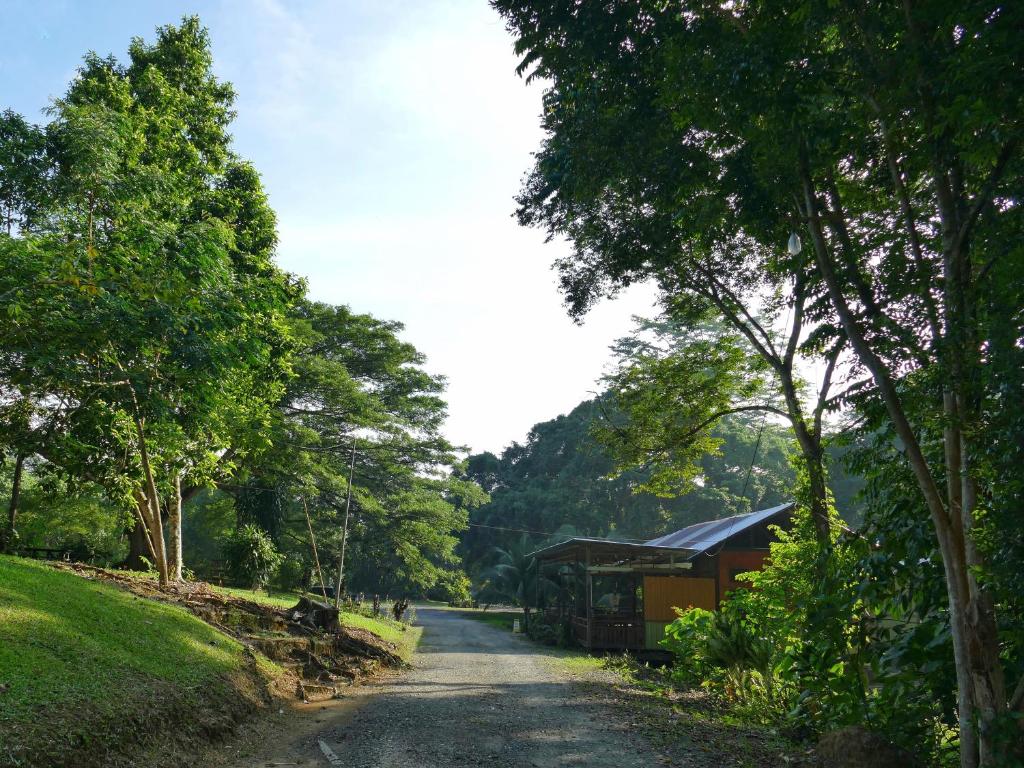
<point x="316" y="556"/>
<point x="589" y="597"/>
<point x="536" y="586"/>
<point x="344" y="531"/>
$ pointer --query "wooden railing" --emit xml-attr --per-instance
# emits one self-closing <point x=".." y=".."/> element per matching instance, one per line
<point x="610" y="632"/>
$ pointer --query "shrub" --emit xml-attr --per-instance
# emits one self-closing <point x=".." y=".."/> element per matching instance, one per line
<point x="251" y="556"/>
<point x="687" y="639"/>
<point x="452" y="587"/>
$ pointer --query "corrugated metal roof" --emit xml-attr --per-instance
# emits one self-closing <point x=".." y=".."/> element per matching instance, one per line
<point x="704" y="536"/>
<point x="689" y="542"/>
<point x="602" y="545"/>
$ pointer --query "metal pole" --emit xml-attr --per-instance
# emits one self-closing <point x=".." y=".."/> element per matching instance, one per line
<point x="344" y="530"/>
<point x="589" y="596"/>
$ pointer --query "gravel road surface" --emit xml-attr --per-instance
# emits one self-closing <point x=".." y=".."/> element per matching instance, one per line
<point x="476" y="695"/>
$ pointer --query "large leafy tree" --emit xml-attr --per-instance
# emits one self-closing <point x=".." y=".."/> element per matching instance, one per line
<point x="688" y="139"/>
<point x="143" y="310"/>
<point x="641" y="192"/>
<point x="356" y="440"/>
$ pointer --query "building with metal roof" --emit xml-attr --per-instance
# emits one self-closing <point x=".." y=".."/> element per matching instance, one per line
<point x="617" y="595"/>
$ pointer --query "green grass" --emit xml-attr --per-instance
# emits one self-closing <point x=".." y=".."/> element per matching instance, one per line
<point x="406" y="637"/>
<point x="500" y="618"/>
<point x="75" y="641"/>
<point x="273" y="599"/>
<point x="81" y="660"/>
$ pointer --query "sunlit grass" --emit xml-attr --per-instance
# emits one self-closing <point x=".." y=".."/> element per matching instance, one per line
<point x="273" y="599"/>
<point x="73" y="642"/>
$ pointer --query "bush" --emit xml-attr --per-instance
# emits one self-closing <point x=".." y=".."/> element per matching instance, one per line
<point x="452" y="587"/>
<point x="251" y="556"/>
<point x="687" y="639"/>
<point x="292" y="576"/>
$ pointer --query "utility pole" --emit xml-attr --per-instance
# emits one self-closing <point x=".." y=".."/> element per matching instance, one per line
<point x="344" y="530"/>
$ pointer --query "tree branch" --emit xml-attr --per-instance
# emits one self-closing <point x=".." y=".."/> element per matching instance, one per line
<point x="984" y="196"/>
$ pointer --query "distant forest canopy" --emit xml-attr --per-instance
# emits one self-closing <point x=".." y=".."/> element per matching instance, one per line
<point x="563" y="482"/>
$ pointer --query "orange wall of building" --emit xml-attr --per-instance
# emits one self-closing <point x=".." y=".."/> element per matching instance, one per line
<point x="741" y="560"/>
<point x="663" y="594"/>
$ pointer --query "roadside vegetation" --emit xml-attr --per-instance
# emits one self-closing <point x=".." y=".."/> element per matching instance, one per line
<point x="83" y="649"/>
<point x="401" y="633"/>
<point x="814" y="188"/>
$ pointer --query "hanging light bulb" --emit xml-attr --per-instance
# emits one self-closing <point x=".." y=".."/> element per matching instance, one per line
<point x="794" y="246"/>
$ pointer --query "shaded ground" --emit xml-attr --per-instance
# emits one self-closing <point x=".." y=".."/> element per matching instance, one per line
<point x="476" y="696"/>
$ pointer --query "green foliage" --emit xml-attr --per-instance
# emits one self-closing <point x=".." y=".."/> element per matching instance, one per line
<point x="514" y="576"/>
<point x="452" y="587"/>
<point x="562" y="480"/>
<point x="143" y="315"/>
<point x="251" y="556"/>
<point x="687" y="638"/>
<point x="672" y="385"/>
<point x="357" y="382"/>
<point x="724" y="650"/>
<point x="550" y="631"/>
<point x="57" y="515"/>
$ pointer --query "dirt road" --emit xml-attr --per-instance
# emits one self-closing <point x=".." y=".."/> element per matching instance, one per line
<point x="476" y="696"/>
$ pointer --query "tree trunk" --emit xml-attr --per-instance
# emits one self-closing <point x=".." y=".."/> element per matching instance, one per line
<point x="972" y="618"/>
<point x="174" y="564"/>
<point x="810" y="447"/>
<point x="11" y="534"/>
<point x="138" y="548"/>
<point x="152" y="503"/>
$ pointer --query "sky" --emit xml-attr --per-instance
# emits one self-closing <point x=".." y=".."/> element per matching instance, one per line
<point x="392" y="138"/>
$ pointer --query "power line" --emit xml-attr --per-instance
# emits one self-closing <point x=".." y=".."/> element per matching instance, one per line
<point x="753" y="458"/>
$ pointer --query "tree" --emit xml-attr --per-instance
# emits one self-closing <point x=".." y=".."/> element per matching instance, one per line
<point x="514" y="575"/>
<point x="142" y="303"/>
<point x="673" y="384"/>
<point x="640" y="194"/>
<point x="358" y="386"/>
<point x="564" y="476"/>
<point x="724" y="126"/>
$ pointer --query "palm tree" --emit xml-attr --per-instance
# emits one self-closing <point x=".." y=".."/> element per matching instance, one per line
<point x="514" y="575"/>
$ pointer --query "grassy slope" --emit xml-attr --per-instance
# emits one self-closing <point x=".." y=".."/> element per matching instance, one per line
<point x="55" y="626"/>
<point x="81" y="662"/>
<point x="87" y="655"/>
